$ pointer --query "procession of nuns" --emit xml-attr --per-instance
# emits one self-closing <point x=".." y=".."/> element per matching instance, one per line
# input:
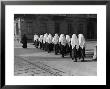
<point x="63" y="44"/>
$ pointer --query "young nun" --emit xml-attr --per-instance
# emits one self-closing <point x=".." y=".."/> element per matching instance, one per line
<point x="41" y="41"/>
<point x="55" y="41"/>
<point x="74" y="44"/>
<point x="36" y="41"/>
<point x="68" y="48"/>
<point x="63" y="45"/>
<point x="60" y="42"/>
<point x="49" y="43"/>
<point x="81" y="50"/>
<point x="34" y="38"/>
<point x="45" y="42"/>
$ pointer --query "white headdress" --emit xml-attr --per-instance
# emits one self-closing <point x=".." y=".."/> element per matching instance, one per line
<point x="68" y="38"/>
<point x="81" y="40"/>
<point x="74" y="41"/>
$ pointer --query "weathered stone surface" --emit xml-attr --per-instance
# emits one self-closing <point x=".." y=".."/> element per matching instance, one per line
<point x="36" y="62"/>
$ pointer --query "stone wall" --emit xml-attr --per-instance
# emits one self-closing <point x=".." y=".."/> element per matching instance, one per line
<point x="45" y="24"/>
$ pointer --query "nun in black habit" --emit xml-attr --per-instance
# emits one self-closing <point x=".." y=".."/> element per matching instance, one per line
<point x="24" y="41"/>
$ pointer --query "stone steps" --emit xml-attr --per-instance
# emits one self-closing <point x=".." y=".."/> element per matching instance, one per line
<point x="89" y="53"/>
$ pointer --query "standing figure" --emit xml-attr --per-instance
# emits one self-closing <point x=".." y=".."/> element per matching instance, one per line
<point x="45" y="42"/>
<point x="68" y="46"/>
<point x="81" y="50"/>
<point x="63" y="45"/>
<point x="36" y="41"/>
<point x="56" y="43"/>
<point x="24" y="41"/>
<point x="41" y="41"/>
<point x="34" y="38"/>
<point x="60" y="42"/>
<point x="49" y="43"/>
<point x="74" y="45"/>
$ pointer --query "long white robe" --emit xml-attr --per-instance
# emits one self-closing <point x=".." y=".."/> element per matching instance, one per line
<point x="60" y="37"/>
<point x="49" y="39"/>
<point x="41" y="38"/>
<point x="81" y="40"/>
<point x="74" y="41"/>
<point x="68" y="39"/>
<point x="63" y="40"/>
<point x="36" y="37"/>
<point x="45" y="37"/>
<point x="55" y="39"/>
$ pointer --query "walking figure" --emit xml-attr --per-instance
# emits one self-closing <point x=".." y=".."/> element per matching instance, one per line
<point x="75" y="45"/>
<point x="63" y="45"/>
<point x="68" y="46"/>
<point x="81" y="50"/>
<point x="55" y="41"/>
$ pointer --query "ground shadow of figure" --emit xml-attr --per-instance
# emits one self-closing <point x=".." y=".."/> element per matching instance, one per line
<point x="89" y="61"/>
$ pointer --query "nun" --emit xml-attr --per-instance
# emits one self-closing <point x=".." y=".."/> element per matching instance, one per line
<point x="55" y="41"/>
<point x="68" y="47"/>
<point x="74" y="45"/>
<point x="63" y="45"/>
<point x="43" y="45"/>
<point x="60" y="42"/>
<point x="81" y="50"/>
<point x="41" y="41"/>
<point x="49" y="43"/>
<point x="34" y="38"/>
<point x="45" y="42"/>
<point x="36" y="41"/>
<point x="24" y="41"/>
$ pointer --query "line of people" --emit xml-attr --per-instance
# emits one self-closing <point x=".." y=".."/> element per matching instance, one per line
<point x="64" y="45"/>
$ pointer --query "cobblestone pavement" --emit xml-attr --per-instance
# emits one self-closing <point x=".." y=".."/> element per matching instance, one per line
<point x="25" y="67"/>
<point x="36" y="62"/>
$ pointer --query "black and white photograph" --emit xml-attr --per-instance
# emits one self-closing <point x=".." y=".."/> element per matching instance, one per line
<point x="55" y="44"/>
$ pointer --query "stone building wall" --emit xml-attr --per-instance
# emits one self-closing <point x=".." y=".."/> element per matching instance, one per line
<point x="45" y="24"/>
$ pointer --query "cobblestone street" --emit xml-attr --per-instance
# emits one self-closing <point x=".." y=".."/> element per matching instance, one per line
<point x="36" y="62"/>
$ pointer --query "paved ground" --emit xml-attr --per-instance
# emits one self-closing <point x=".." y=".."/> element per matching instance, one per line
<point x="35" y="62"/>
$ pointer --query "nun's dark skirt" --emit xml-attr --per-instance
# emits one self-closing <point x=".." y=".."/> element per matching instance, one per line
<point x="46" y="45"/>
<point x="60" y="47"/>
<point x="56" y="47"/>
<point x="74" y="53"/>
<point x="24" y="42"/>
<point x="24" y="45"/>
<point x="36" y="44"/>
<point x="63" y="50"/>
<point x="81" y="53"/>
<point x="49" y="47"/>
<point x="41" y="45"/>
<point x="68" y="49"/>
